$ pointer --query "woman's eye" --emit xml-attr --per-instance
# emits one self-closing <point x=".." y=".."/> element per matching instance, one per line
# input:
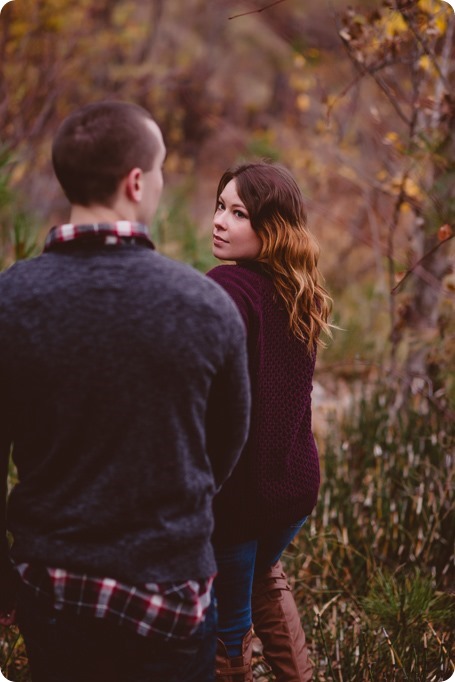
<point x="220" y="206"/>
<point x="239" y="214"/>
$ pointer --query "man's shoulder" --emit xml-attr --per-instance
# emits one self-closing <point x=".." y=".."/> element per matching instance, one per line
<point x="194" y="299"/>
<point x="18" y="271"/>
<point x="165" y="264"/>
<point x="189" y="281"/>
<point x="179" y="291"/>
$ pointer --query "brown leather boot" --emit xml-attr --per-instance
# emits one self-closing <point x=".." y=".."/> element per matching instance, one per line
<point x="237" y="669"/>
<point x="277" y="623"/>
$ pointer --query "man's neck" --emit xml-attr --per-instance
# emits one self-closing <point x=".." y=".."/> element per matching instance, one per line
<point x="85" y="215"/>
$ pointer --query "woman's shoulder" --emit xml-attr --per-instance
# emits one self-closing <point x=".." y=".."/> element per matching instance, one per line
<point x="231" y="278"/>
<point x="221" y="272"/>
<point x="245" y="285"/>
<point x="244" y="272"/>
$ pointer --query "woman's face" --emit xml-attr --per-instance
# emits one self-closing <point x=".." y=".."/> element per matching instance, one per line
<point x="233" y="236"/>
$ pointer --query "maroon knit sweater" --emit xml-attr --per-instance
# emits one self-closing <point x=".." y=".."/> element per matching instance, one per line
<point x="276" y="481"/>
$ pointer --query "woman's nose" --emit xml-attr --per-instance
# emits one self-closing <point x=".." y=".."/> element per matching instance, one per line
<point x="220" y="220"/>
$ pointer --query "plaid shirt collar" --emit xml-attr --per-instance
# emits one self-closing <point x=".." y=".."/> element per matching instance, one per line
<point x="108" y="233"/>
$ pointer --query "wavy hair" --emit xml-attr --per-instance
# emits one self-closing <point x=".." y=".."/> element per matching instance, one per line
<point x="289" y="252"/>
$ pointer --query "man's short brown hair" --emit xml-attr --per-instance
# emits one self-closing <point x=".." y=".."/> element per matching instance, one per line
<point x="97" y="146"/>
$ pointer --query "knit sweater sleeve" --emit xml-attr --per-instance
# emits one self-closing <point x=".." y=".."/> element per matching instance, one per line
<point x="228" y="411"/>
<point x="230" y="399"/>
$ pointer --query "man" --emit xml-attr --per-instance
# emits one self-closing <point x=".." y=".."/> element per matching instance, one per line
<point x="124" y="399"/>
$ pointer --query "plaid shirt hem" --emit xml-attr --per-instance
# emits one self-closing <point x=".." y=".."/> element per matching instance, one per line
<point x="170" y="611"/>
<point x="108" y="233"/>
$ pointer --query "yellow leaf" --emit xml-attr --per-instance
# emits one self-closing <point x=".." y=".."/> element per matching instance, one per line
<point x="331" y="100"/>
<point x="321" y="126"/>
<point x="299" y="60"/>
<point x="425" y="62"/>
<point x="391" y="137"/>
<point x="429" y="6"/>
<point x="412" y="189"/>
<point x="18" y="173"/>
<point x="394" y="24"/>
<point x="359" y="19"/>
<point x="441" y="23"/>
<point x="313" y="53"/>
<point x="303" y="102"/>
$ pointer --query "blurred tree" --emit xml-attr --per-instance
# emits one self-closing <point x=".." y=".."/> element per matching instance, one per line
<point x="407" y="49"/>
<point x="57" y="54"/>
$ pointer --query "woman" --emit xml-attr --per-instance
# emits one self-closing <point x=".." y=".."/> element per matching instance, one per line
<point x="260" y="223"/>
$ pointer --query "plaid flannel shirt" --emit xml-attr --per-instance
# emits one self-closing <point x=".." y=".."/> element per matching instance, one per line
<point x="169" y="610"/>
<point x="165" y="610"/>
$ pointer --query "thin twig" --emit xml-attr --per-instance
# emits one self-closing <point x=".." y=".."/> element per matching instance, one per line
<point x="256" y="11"/>
<point x="390" y="96"/>
<point x="371" y="71"/>
<point x="358" y="77"/>
<point x="419" y="262"/>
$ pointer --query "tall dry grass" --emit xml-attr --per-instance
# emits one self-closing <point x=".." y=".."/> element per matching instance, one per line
<point x="373" y="569"/>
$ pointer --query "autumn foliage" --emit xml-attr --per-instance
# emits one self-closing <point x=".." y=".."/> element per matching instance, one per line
<point x="358" y="100"/>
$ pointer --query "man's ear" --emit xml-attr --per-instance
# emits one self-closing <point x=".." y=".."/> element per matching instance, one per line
<point x="134" y="185"/>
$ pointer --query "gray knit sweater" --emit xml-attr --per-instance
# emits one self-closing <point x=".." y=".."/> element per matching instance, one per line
<point x="124" y="390"/>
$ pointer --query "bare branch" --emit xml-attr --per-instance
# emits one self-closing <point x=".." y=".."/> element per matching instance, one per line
<point x="362" y="71"/>
<point x="256" y="11"/>
<point x="418" y="263"/>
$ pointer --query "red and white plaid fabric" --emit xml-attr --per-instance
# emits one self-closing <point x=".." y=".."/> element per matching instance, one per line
<point x="170" y="611"/>
<point x="109" y="232"/>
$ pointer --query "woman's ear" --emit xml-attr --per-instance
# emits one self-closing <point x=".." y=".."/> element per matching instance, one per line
<point x="134" y="185"/>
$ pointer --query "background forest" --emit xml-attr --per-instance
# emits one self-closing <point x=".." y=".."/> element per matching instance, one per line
<point x="358" y="101"/>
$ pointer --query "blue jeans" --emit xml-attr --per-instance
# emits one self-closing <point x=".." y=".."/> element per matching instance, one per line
<point x="238" y="566"/>
<point x="64" y="647"/>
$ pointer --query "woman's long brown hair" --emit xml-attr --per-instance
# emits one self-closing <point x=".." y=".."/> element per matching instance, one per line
<point x="289" y="251"/>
